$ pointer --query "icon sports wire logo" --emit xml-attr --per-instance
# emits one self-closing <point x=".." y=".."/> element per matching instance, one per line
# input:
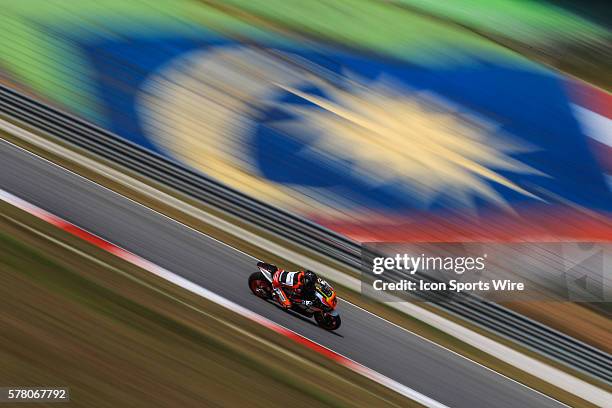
<point x="512" y="271"/>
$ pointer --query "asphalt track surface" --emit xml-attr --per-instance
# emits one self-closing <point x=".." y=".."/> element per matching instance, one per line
<point x="400" y="355"/>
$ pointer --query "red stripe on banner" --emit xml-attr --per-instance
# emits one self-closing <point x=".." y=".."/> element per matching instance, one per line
<point x="592" y="98"/>
<point x="536" y="224"/>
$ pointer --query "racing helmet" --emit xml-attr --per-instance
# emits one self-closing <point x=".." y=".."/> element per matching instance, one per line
<point x="310" y="278"/>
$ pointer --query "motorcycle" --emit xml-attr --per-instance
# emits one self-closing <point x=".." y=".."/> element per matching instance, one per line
<point x="322" y="308"/>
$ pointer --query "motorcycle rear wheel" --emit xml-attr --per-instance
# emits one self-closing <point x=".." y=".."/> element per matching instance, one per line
<point x="260" y="286"/>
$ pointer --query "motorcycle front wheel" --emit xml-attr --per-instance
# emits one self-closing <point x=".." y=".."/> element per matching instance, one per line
<point x="328" y="321"/>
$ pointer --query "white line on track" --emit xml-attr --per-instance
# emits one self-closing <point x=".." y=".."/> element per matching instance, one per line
<point x="455" y="353"/>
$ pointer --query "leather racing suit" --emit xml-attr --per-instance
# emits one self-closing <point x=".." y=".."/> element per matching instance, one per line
<point x="295" y="286"/>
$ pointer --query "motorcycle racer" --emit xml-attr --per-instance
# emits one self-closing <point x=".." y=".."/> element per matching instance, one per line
<point x="312" y="296"/>
<point x="300" y="286"/>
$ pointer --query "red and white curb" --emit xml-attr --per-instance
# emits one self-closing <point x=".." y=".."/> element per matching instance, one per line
<point x="220" y="300"/>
